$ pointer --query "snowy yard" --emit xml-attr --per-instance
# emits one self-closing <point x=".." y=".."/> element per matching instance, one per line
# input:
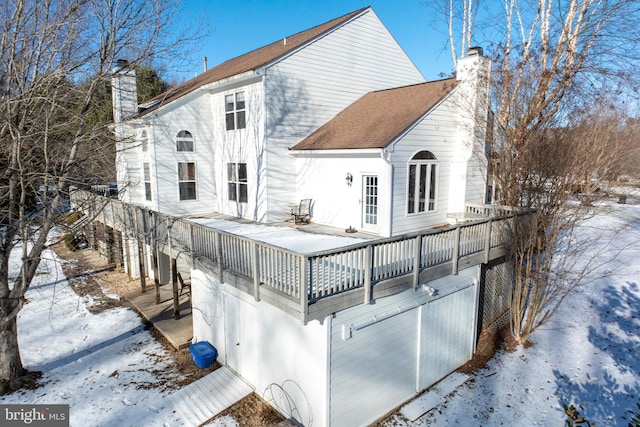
<point x="111" y="371"/>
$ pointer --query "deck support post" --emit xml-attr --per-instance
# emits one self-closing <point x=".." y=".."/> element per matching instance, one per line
<point x="174" y="283"/>
<point x="94" y="235"/>
<point x="456" y="251"/>
<point x="109" y="241"/>
<point x="156" y="270"/>
<point x="143" y="279"/>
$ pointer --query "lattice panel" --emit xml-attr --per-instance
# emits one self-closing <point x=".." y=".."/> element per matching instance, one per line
<point x="495" y="293"/>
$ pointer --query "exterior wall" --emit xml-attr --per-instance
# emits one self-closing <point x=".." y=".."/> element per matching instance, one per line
<point x="203" y="115"/>
<point x="321" y="177"/>
<point x="282" y="359"/>
<point x="311" y="86"/>
<point x="436" y="133"/>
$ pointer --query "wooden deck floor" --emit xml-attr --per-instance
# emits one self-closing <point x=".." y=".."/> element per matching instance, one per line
<point x="178" y="332"/>
<point x="203" y="399"/>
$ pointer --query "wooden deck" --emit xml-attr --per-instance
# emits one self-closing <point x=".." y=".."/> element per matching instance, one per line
<point x="207" y="397"/>
<point x="309" y="285"/>
<point x="178" y="332"/>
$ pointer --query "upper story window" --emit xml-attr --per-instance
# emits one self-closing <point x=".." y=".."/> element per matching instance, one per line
<point x="237" y="182"/>
<point x="144" y="141"/>
<point x="187" y="180"/>
<point x="234" y="108"/>
<point x="147" y="181"/>
<point x="422" y="183"/>
<point x="184" y="141"/>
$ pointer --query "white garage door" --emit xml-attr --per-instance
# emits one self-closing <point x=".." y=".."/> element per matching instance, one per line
<point x="393" y="350"/>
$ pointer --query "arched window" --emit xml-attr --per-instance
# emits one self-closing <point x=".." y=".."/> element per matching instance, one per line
<point x="144" y="141"/>
<point x="422" y="183"/>
<point x="184" y="141"/>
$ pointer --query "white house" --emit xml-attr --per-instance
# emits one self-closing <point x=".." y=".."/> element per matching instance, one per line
<point x="337" y="114"/>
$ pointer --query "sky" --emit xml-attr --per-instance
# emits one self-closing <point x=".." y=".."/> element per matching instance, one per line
<point x="235" y="27"/>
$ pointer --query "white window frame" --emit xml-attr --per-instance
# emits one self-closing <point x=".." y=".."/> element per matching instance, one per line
<point x="235" y="110"/>
<point x="144" y="141"/>
<point x="236" y="183"/>
<point x="146" y="175"/>
<point x="422" y="187"/>
<point x="187" y="180"/>
<point x="184" y="137"/>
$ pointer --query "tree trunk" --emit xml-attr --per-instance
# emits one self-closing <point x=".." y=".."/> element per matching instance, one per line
<point x="11" y="369"/>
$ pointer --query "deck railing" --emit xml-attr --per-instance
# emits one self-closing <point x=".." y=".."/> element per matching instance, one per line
<point x="321" y="274"/>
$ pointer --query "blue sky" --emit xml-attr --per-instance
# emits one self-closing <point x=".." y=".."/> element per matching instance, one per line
<point x="239" y="26"/>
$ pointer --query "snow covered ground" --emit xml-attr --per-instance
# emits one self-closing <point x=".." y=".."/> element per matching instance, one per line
<point x="585" y="356"/>
<point x="105" y="365"/>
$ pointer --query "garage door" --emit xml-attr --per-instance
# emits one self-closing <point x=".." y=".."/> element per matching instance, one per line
<point x="382" y="354"/>
<point x="372" y="368"/>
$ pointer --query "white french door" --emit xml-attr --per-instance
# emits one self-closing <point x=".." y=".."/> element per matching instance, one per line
<point x="370" y="203"/>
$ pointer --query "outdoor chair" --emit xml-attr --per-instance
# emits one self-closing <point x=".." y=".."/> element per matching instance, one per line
<point x="184" y="286"/>
<point x="302" y="213"/>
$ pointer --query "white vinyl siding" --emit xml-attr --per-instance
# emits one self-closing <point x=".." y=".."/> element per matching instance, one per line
<point x="435" y="133"/>
<point x="310" y="87"/>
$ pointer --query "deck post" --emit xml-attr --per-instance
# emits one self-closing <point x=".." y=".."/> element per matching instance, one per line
<point x="94" y="235"/>
<point x="218" y="240"/>
<point x="368" y="262"/>
<point x="143" y="279"/>
<point x="156" y="270"/>
<point x="174" y="282"/>
<point x="456" y="251"/>
<point x="417" y="250"/>
<point x="255" y="266"/>
<point x="487" y="241"/>
<point x="303" y="288"/>
<point x="109" y="241"/>
<point x="191" y="246"/>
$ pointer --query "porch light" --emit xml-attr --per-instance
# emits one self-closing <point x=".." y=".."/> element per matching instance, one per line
<point x="349" y="179"/>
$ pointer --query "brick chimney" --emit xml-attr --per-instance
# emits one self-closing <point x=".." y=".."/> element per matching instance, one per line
<point x="124" y="91"/>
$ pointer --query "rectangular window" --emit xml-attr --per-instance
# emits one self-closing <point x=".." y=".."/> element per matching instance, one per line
<point x="237" y="182"/>
<point x="147" y="181"/>
<point x="421" y="196"/>
<point x="187" y="181"/>
<point x="234" y="107"/>
<point x="184" y="145"/>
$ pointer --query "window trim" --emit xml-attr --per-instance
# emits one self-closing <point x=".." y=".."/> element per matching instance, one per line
<point x="146" y="179"/>
<point x="422" y="179"/>
<point x="236" y="182"/>
<point x="236" y="109"/>
<point x="190" y="138"/>
<point x="144" y="141"/>
<point x="187" y="181"/>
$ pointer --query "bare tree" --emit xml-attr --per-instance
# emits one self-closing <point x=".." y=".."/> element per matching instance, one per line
<point x="554" y="66"/>
<point x="54" y="57"/>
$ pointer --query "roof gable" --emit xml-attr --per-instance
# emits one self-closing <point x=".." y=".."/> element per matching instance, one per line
<point x="378" y="118"/>
<point x="249" y="61"/>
